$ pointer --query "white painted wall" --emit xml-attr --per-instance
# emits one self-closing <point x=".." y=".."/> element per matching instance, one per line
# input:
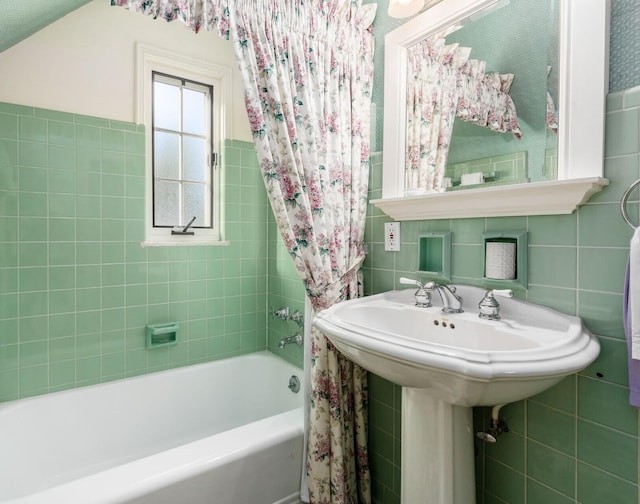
<point x="85" y="63"/>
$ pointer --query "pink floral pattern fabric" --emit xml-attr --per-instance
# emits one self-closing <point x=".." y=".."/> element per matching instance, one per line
<point x="552" y="112"/>
<point x="307" y="70"/>
<point x="444" y="83"/>
<point x="432" y="97"/>
<point x="552" y="116"/>
<point x="337" y="471"/>
<point x="308" y="73"/>
<point x="484" y="99"/>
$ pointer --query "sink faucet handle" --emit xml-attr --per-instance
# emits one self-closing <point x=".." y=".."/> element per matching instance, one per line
<point x="501" y="292"/>
<point x="423" y="296"/>
<point x="410" y="281"/>
<point x="489" y="306"/>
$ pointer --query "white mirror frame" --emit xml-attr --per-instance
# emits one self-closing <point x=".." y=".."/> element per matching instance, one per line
<point x="583" y="86"/>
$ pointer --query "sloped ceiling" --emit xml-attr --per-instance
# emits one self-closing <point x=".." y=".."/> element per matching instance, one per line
<point x="21" y="18"/>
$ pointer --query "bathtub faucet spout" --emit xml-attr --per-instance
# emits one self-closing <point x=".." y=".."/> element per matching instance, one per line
<point x="297" y="339"/>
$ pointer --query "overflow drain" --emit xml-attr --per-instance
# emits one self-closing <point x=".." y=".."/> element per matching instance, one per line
<point x="294" y="384"/>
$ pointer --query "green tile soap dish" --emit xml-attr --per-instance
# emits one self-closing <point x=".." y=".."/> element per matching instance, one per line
<point x="159" y="335"/>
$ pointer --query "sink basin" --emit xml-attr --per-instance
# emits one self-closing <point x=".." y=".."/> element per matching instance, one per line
<point x="460" y="358"/>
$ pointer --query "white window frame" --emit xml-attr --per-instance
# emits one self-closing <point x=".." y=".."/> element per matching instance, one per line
<point x="149" y="60"/>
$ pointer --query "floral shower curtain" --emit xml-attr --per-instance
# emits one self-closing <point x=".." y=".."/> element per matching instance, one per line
<point x="444" y="83"/>
<point x="432" y="97"/>
<point x="307" y="70"/>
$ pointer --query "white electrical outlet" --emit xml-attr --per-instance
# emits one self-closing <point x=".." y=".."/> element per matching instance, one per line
<point x="392" y="236"/>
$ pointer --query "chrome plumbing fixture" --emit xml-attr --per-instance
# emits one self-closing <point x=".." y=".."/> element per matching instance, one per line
<point x="451" y="302"/>
<point x="498" y="426"/>
<point x="423" y="296"/>
<point x="489" y="306"/>
<point x="294" y="384"/>
<point x="282" y="313"/>
<point x="298" y="318"/>
<point x="296" y="338"/>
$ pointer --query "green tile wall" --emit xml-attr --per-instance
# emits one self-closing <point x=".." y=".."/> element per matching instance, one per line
<point x="285" y="289"/>
<point x="77" y="289"/>
<point x="596" y="298"/>
<point x="577" y="442"/>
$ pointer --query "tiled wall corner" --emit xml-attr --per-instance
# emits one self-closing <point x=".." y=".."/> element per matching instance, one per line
<point x="285" y="289"/>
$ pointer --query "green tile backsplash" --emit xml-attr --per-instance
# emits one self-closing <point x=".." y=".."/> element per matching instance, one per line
<point x="574" y="443"/>
<point x="76" y="287"/>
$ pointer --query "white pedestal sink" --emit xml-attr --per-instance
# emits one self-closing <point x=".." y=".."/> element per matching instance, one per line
<point x="437" y="450"/>
<point x="448" y="363"/>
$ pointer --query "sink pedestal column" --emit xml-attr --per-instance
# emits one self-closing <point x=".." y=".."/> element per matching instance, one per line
<point x="437" y="451"/>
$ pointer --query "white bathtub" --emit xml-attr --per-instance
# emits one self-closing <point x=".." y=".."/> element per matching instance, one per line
<point x="224" y="432"/>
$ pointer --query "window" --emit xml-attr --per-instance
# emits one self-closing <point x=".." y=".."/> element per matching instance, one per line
<point x="182" y="104"/>
<point x="183" y="157"/>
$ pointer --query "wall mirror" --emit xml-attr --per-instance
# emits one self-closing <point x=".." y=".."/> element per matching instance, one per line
<point x="533" y="143"/>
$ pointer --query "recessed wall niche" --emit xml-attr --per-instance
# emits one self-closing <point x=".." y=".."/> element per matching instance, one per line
<point x="434" y="255"/>
<point x="505" y="259"/>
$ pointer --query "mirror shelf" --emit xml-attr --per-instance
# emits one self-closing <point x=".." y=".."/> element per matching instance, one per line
<point x="582" y="89"/>
<point x="535" y="198"/>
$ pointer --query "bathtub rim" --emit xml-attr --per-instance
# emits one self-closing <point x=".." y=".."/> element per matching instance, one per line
<point x="173" y="464"/>
<point x="140" y="477"/>
<point x="178" y="369"/>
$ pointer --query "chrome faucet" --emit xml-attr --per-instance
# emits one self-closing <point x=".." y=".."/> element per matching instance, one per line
<point x="298" y="318"/>
<point x="489" y="307"/>
<point x="451" y="302"/>
<point x="296" y="338"/>
<point x="422" y="295"/>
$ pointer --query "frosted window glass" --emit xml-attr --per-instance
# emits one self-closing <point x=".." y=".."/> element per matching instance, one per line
<point x="182" y="147"/>
<point x="166" y="203"/>
<point x="194" y="111"/>
<point x="166" y="106"/>
<point x="194" y="204"/>
<point x="195" y="158"/>
<point x="166" y="154"/>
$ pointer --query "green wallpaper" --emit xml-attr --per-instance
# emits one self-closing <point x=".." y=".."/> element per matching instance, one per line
<point x="624" y="49"/>
<point x="76" y="287"/>
<point x="625" y="45"/>
<point x="577" y="442"/>
<point x="504" y="39"/>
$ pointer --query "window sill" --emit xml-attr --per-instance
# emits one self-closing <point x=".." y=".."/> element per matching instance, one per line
<point x="190" y="243"/>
